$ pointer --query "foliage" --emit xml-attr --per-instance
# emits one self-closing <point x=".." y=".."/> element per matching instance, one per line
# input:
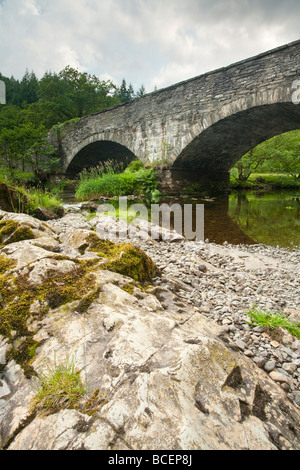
<point x="125" y="94"/>
<point x="59" y="97"/>
<point x="106" y="167"/>
<point x="110" y="184"/>
<point x="272" y="321"/>
<point x="26" y="147"/>
<point x="271" y="181"/>
<point x="134" y="165"/>
<point x="41" y="198"/>
<point x="59" y="388"/>
<point x="280" y="154"/>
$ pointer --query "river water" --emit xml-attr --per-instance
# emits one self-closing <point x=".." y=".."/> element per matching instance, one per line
<point x="243" y="217"/>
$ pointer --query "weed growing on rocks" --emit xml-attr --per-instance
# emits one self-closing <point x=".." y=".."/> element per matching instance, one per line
<point x="59" y="388"/>
<point x="272" y="321"/>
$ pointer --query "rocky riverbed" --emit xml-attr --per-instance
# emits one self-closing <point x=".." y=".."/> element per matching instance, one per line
<point x="162" y="342"/>
<point x="223" y="282"/>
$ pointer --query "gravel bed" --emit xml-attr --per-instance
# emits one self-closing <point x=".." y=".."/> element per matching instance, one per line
<point x="225" y="281"/>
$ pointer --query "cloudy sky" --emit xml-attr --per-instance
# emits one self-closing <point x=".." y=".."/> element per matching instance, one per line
<point x="149" y="42"/>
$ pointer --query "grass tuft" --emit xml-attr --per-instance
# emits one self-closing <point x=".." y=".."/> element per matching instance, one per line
<point x="272" y="321"/>
<point x="59" y="388"/>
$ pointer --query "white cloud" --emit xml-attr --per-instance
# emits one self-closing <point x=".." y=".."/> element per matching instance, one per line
<point x="152" y="42"/>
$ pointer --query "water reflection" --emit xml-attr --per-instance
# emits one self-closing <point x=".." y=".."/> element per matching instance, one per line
<point x="272" y="219"/>
<point x="244" y="217"/>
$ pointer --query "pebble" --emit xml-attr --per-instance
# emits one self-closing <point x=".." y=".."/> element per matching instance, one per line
<point x="279" y="377"/>
<point x="269" y="366"/>
<point x="225" y="281"/>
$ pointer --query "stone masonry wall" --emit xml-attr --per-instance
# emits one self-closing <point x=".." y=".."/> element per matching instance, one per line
<point x="166" y="122"/>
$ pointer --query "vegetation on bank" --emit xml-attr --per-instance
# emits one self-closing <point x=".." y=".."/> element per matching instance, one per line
<point x="264" y="181"/>
<point x="34" y="107"/>
<point x="108" y="180"/>
<point x="278" y="156"/>
<point x="29" y="201"/>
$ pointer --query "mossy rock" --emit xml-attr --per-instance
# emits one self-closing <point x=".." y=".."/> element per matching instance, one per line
<point x="17" y="298"/>
<point x="11" y="231"/>
<point x="58" y="288"/>
<point x="12" y="200"/>
<point x="123" y="258"/>
<point x="6" y="264"/>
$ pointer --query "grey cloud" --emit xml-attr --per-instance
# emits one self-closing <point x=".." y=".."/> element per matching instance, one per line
<point x="152" y="42"/>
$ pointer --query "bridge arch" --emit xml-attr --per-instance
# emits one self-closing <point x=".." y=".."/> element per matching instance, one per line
<point x="224" y="136"/>
<point x="92" y="153"/>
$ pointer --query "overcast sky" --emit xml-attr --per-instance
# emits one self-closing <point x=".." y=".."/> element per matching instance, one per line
<point x="149" y="42"/>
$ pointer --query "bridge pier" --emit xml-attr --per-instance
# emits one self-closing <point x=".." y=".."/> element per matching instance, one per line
<point x="176" y="181"/>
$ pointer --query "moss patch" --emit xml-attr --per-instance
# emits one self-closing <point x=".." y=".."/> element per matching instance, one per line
<point x="124" y="259"/>
<point x="11" y="232"/>
<point x="5" y="264"/>
<point x="133" y="262"/>
<point x="16" y="301"/>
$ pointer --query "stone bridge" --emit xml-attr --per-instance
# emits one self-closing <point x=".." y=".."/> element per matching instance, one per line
<point x="200" y="127"/>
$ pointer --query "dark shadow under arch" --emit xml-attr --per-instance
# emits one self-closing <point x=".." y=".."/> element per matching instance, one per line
<point x="221" y="145"/>
<point x="93" y="154"/>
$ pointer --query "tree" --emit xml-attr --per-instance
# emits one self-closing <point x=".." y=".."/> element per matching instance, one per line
<point x="9" y="149"/>
<point x="13" y="91"/>
<point x="287" y="154"/>
<point x="123" y="93"/>
<point x="26" y="147"/>
<point x="71" y="94"/>
<point x="29" y="86"/>
<point x="141" y="91"/>
<point x="10" y="116"/>
<point x="278" y="154"/>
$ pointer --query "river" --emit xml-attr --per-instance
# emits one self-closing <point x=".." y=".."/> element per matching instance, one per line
<point x="244" y="217"/>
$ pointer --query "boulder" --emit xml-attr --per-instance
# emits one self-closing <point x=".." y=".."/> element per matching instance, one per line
<point x="12" y="200"/>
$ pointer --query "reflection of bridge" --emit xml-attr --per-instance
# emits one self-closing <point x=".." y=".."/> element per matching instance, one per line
<point x="201" y="126"/>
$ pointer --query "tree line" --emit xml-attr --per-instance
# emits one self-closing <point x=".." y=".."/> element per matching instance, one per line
<point x="58" y="97"/>
<point x="34" y="106"/>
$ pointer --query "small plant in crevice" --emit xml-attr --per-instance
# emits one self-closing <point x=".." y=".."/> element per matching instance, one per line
<point x="58" y="388"/>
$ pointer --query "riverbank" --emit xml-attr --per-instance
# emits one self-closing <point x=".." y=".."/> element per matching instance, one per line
<point x="164" y="351"/>
<point x="223" y="282"/>
<point x="266" y="182"/>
